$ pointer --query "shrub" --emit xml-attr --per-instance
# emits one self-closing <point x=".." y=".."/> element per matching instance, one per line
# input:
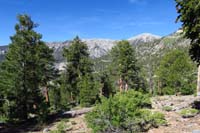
<point x="188" y="89"/>
<point x="167" y="108"/>
<point x="3" y="119"/>
<point x="60" y="128"/>
<point x="168" y="91"/>
<point x="189" y="112"/>
<point x="125" y="112"/>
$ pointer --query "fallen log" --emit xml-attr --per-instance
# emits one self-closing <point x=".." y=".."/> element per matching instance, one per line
<point x="73" y="113"/>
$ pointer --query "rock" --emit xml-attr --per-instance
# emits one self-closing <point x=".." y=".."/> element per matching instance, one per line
<point x="74" y="113"/>
<point x="46" y="130"/>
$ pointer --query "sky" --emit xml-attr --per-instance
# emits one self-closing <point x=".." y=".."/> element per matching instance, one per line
<point x="61" y="20"/>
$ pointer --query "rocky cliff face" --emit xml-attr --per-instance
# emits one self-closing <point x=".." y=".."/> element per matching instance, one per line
<point x="99" y="47"/>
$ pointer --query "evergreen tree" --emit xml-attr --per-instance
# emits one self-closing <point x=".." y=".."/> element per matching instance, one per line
<point x="176" y="73"/>
<point x="107" y="88"/>
<point x="47" y="69"/>
<point x="87" y="90"/>
<point x="24" y="70"/>
<point x="78" y="71"/>
<point x="124" y="66"/>
<point x="189" y="15"/>
<point x="58" y="98"/>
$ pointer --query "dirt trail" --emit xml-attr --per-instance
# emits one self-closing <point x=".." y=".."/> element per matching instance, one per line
<point x="74" y="125"/>
<point x="176" y="124"/>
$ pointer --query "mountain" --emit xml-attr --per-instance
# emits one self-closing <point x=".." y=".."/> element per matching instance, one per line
<point x="99" y="47"/>
<point x="147" y="45"/>
<point x="159" y="46"/>
<point x="143" y="38"/>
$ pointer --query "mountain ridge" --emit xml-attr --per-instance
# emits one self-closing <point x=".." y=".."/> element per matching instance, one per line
<point x="145" y="44"/>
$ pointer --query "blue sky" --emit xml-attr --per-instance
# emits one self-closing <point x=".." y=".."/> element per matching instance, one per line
<point x="61" y="20"/>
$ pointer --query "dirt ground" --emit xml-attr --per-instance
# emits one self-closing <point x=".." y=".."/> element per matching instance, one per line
<point x="176" y="124"/>
<point x="74" y="125"/>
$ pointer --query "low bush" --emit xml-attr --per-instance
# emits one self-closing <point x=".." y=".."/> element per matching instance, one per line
<point x="189" y="112"/>
<point x="61" y="128"/>
<point x="168" y="91"/>
<point x="3" y="118"/>
<point x="125" y="112"/>
<point x="188" y="89"/>
<point x="167" y="108"/>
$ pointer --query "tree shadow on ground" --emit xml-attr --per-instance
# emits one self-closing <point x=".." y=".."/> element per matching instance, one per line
<point x="31" y="125"/>
<point x="196" y="104"/>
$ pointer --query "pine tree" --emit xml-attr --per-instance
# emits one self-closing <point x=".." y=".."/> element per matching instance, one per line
<point x="23" y="72"/>
<point x="189" y="15"/>
<point x="47" y="69"/>
<point x="78" y="69"/>
<point x="87" y="93"/>
<point x="125" y="67"/>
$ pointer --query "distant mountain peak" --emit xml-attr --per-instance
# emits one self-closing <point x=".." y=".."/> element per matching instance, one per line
<point x="145" y="37"/>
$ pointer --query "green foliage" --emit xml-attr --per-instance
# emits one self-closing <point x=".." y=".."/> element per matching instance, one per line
<point x="151" y="119"/>
<point x="3" y="118"/>
<point x="59" y="96"/>
<point x="28" y="66"/>
<point x="176" y="73"/>
<point x="124" y="65"/>
<point x="88" y="93"/>
<point x="189" y="15"/>
<point x="60" y="128"/>
<point x="167" y="108"/>
<point x="168" y="90"/>
<point x="189" y="112"/>
<point x="188" y="89"/>
<point x="107" y="86"/>
<point x="77" y="79"/>
<point x="124" y="112"/>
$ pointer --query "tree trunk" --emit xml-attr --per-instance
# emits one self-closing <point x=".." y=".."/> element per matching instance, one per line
<point x="101" y="90"/>
<point x="159" y="87"/>
<point x="71" y="96"/>
<point x="47" y="95"/>
<point x="121" y="86"/>
<point x="198" y="81"/>
<point x="126" y="87"/>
